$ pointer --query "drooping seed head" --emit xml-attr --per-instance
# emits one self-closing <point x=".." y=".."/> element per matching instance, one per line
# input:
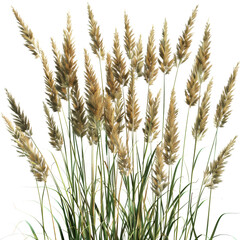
<point x="213" y="174"/>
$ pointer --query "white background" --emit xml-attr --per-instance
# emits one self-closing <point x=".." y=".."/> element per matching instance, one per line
<point x="22" y="75"/>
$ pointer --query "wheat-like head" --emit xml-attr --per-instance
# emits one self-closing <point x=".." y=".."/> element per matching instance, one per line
<point x="113" y="85"/>
<point x="202" y="59"/>
<point x="94" y="101"/>
<point x="68" y="61"/>
<point x="20" y="119"/>
<point x="150" y="66"/>
<point x="200" y="128"/>
<point x="137" y="60"/>
<point x="119" y="64"/>
<point x="27" y="34"/>
<point x="171" y="142"/>
<point x="151" y="124"/>
<point x="25" y="148"/>
<point x="132" y="114"/>
<point x="61" y="81"/>
<point x="212" y="174"/>
<point x="223" y="108"/>
<point x="193" y="87"/>
<point x="94" y="32"/>
<point x="165" y="62"/>
<point x="129" y="40"/>
<point x="159" y="177"/>
<point x="56" y="139"/>
<point x="53" y="99"/>
<point x="185" y="40"/>
<point x="78" y="115"/>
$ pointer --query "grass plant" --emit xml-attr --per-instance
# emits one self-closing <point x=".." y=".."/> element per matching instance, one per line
<point x="119" y="175"/>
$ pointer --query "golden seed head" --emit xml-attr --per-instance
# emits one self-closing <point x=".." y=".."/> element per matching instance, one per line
<point x="185" y="40"/>
<point x="94" y="32"/>
<point x="171" y="142"/>
<point x="212" y="174"/>
<point x="150" y="66"/>
<point x="119" y="64"/>
<point x="132" y="114"/>
<point x="223" y="108"/>
<point x="200" y="128"/>
<point x="159" y="177"/>
<point x="151" y="124"/>
<point x="129" y="40"/>
<point x="164" y="61"/>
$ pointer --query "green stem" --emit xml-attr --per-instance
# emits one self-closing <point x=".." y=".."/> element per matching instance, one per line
<point x="208" y="217"/>
<point x="201" y="188"/>
<point x="41" y="205"/>
<point x="164" y="76"/>
<point x="50" y="206"/>
<point x="176" y="74"/>
<point x="180" y="185"/>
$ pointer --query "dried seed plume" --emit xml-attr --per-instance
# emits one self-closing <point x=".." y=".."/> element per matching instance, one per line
<point x="56" y="139"/>
<point x="165" y="62"/>
<point x="119" y="64"/>
<point x="151" y="124"/>
<point x="132" y="112"/>
<point x="25" y="148"/>
<point x="129" y="40"/>
<point x="27" y="34"/>
<point x="20" y="119"/>
<point x="212" y="174"/>
<point x="94" y="32"/>
<point x="150" y="66"/>
<point x="200" y="128"/>
<point x="171" y="142"/>
<point x="223" y="108"/>
<point x="94" y="101"/>
<point x="159" y="177"/>
<point x="185" y="40"/>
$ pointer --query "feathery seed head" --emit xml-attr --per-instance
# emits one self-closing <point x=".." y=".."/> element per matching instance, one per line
<point x="119" y="64"/>
<point x="27" y="34"/>
<point x="171" y="142"/>
<point x="199" y="128"/>
<point x="150" y="66"/>
<point x="137" y="60"/>
<point x="132" y="116"/>
<point x="212" y="174"/>
<point x="25" y="148"/>
<point x="193" y="87"/>
<point x="56" y="139"/>
<point x="94" y="32"/>
<point x="78" y="118"/>
<point x="129" y="40"/>
<point x="223" y="108"/>
<point x="94" y="101"/>
<point x="53" y="99"/>
<point x="20" y="119"/>
<point x="151" y="124"/>
<point x="113" y="85"/>
<point x="159" y="177"/>
<point x="164" y="61"/>
<point x="185" y="40"/>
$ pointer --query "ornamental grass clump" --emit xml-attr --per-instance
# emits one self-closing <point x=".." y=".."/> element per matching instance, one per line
<point x="119" y="165"/>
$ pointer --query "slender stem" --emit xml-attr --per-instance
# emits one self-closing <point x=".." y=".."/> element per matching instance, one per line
<point x="164" y="76"/>
<point x="201" y="188"/>
<point x="180" y="184"/>
<point x="100" y="64"/>
<point x="41" y="205"/>
<point x="208" y="217"/>
<point x="176" y="74"/>
<point x="50" y="206"/>
<point x="92" y="190"/>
